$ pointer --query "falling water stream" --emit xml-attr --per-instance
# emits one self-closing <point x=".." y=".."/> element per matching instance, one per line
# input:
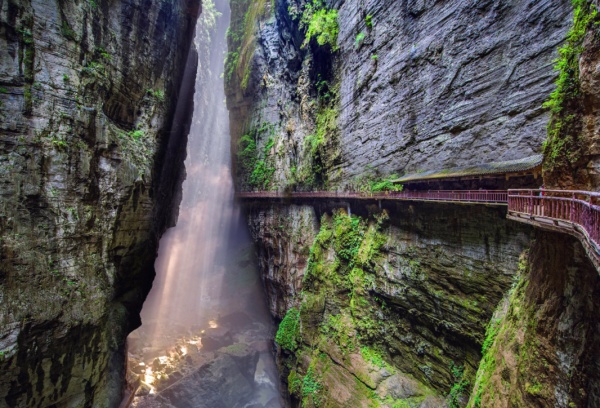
<point x="206" y="334"/>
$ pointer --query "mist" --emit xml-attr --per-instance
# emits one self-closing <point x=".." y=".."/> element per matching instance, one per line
<point x="206" y="334"/>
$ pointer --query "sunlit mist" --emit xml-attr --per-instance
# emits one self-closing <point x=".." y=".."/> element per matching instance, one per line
<point x="206" y="311"/>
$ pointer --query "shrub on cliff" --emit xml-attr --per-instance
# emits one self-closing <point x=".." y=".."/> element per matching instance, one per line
<point x="321" y="24"/>
<point x="288" y="334"/>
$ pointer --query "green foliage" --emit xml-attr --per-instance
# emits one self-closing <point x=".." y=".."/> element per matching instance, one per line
<point x="372" y="356"/>
<point x="57" y="141"/>
<point x="66" y="78"/>
<point x="378" y="186"/>
<point x="322" y="25"/>
<point x="457" y="371"/>
<point x="369" y="21"/>
<point x="104" y="54"/>
<point x="157" y="94"/>
<point x="561" y="146"/>
<point x="261" y="174"/>
<point x="26" y="36"/>
<point x="336" y="328"/>
<point x="348" y="236"/>
<point x="369" y="183"/>
<point x="374" y="57"/>
<point x="3" y="90"/>
<point x="490" y="335"/>
<point x="256" y="169"/>
<point x="534" y="389"/>
<point x="359" y="38"/>
<point x="93" y="4"/>
<point x="459" y="392"/>
<point x="288" y="334"/>
<point x="311" y="386"/>
<point x="294" y="383"/>
<point x="326" y="129"/>
<point x="517" y="317"/>
<point x="67" y="31"/>
<point x="93" y="68"/>
<point x="136" y="134"/>
<point x="246" y="153"/>
<point x="461" y="388"/>
<point x="240" y="39"/>
<point x="231" y="64"/>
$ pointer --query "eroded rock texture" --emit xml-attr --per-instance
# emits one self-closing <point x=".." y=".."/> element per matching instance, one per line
<point x="545" y="334"/>
<point x="91" y="152"/>
<point x="423" y="299"/>
<point x="392" y="310"/>
<point x="572" y="152"/>
<point x="422" y="86"/>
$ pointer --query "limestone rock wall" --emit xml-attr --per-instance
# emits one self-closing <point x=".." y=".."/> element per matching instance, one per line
<point x="423" y="85"/>
<point x="543" y="342"/>
<point x="377" y="309"/>
<point x="91" y="153"/>
<point x="428" y="292"/>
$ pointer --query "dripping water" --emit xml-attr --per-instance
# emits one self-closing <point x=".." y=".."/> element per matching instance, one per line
<point x="206" y="334"/>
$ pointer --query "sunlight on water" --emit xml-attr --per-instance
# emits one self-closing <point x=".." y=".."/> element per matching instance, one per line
<point x="206" y="335"/>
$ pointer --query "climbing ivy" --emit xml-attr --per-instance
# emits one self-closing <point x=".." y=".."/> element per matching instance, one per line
<point x="255" y="170"/>
<point x="241" y="39"/>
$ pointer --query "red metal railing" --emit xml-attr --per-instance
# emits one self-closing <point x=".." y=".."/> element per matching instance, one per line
<point x="576" y="209"/>
<point x="571" y="211"/>
<point x="468" y="196"/>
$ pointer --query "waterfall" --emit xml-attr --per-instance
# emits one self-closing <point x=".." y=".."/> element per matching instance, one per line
<point x="206" y="334"/>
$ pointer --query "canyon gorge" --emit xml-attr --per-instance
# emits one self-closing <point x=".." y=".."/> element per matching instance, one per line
<point x="125" y="123"/>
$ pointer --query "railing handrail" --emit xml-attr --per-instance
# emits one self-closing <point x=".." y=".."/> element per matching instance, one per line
<point x="543" y="190"/>
<point x="495" y="196"/>
<point x="573" y="211"/>
<point x="575" y="208"/>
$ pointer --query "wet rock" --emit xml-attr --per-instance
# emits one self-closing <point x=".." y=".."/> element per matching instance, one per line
<point x="219" y="384"/>
<point x="410" y="98"/>
<point x="90" y="166"/>
<point x="214" y="339"/>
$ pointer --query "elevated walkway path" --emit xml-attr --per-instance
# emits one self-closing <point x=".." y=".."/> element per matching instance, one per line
<point x="493" y="197"/>
<point x="573" y="212"/>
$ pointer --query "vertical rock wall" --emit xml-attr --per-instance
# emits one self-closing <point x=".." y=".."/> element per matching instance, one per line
<point x="542" y="347"/>
<point x="411" y="86"/>
<point x="91" y="153"/>
<point x="416" y="292"/>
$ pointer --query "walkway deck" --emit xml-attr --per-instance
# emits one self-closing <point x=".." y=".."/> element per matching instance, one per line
<point x="573" y="212"/>
<point x="492" y="197"/>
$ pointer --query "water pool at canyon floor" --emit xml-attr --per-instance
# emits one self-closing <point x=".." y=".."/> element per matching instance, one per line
<point x="206" y="334"/>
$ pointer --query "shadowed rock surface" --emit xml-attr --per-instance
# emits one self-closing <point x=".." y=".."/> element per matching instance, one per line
<point x="91" y="152"/>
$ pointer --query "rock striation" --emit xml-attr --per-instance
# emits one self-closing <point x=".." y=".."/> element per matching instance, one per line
<point x="93" y="110"/>
<point x="418" y="304"/>
<point x="420" y="86"/>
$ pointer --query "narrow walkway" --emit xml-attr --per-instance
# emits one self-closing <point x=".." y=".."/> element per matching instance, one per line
<point x="573" y="212"/>
<point x="493" y="197"/>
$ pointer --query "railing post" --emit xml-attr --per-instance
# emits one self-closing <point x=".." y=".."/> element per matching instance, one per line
<point x="530" y="204"/>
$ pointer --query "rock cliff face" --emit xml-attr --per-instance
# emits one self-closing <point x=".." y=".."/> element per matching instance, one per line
<point x="409" y="86"/>
<point x="415" y="305"/>
<point x="543" y="340"/>
<point x="413" y="285"/>
<point x="571" y="151"/>
<point x="91" y="153"/>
